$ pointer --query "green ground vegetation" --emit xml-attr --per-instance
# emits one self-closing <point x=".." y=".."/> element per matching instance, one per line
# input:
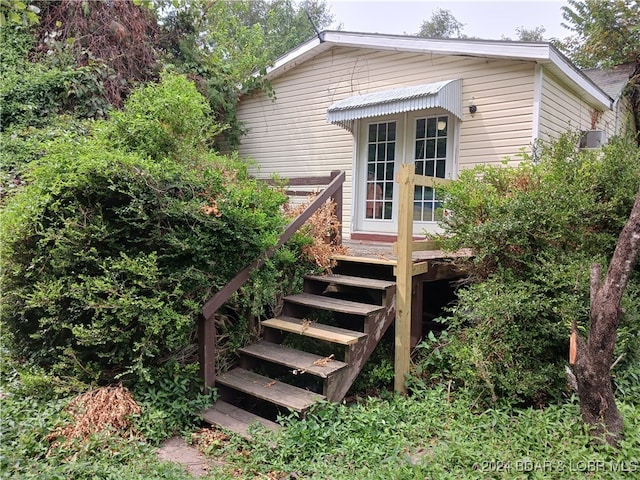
<point x="433" y="433"/>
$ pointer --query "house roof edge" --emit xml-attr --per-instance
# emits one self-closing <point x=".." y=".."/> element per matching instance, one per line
<point x="540" y="52"/>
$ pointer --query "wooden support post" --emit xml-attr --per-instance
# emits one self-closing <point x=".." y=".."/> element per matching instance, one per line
<point x="404" y="277"/>
<point x="207" y="351"/>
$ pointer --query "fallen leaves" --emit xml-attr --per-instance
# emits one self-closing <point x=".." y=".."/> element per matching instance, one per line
<point x="208" y="440"/>
<point x="107" y="409"/>
<point x="212" y="209"/>
<point x="306" y="323"/>
<point x="322" y="362"/>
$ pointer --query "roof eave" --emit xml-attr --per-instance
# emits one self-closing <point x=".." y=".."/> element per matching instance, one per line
<point x="595" y="94"/>
<point x="541" y="52"/>
<point x="298" y="55"/>
<point x="484" y="48"/>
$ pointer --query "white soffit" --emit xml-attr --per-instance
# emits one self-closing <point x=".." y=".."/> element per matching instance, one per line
<point x="446" y="94"/>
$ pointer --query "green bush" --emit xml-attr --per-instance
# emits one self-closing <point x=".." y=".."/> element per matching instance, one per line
<point x="164" y="119"/>
<point x="535" y="230"/>
<point x="108" y="255"/>
<point x="20" y="145"/>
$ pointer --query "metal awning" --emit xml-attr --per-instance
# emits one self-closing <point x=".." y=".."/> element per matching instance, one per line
<point x="446" y="94"/>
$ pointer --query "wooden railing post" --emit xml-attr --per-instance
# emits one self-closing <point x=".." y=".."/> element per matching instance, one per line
<point x="207" y="351"/>
<point x="337" y="199"/>
<point x="404" y="276"/>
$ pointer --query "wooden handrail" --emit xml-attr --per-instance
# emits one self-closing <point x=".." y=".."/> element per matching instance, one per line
<point x="206" y="332"/>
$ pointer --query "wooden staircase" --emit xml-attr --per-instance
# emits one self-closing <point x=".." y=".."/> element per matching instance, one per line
<point x="313" y="351"/>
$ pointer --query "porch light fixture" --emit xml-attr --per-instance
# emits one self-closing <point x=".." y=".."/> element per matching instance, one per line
<point x="472" y="106"/>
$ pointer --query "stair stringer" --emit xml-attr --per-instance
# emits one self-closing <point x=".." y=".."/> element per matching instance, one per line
<point x="357" y="354"/>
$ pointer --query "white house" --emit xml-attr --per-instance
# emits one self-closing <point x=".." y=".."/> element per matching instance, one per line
<point x="366" y="103"/>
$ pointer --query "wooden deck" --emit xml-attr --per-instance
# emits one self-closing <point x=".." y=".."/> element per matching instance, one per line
<point x="383" y="252"/>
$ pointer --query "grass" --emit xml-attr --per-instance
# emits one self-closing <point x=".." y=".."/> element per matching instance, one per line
<point x="429" y="435"/>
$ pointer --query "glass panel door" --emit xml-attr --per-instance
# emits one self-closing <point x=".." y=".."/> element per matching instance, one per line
<point x="430" y="157"/>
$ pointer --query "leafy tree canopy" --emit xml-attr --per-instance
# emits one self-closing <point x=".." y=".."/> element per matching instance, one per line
<point x="606" y="33"/>
<point x="528" y="34"/>
<point x="285" y="23"/>
<point x="442" y="24"/>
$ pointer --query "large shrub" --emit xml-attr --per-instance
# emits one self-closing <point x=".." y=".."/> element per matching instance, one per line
<point x="534" y="230"/>
<point x="109" y="253"/>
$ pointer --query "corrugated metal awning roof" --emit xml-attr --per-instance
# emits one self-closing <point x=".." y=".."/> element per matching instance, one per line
<point x="446" y="94"/>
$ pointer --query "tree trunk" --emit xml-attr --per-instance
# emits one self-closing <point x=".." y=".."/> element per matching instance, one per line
<point x="594" y="355"/>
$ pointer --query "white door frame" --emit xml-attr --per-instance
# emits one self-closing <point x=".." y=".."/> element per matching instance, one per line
<point x="404" y="153"/>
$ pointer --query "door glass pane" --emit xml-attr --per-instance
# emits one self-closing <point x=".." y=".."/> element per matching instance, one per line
<point x="431" y="149"/>
<point x="372" y="152"/>
<point x="373" y="133"/>
<point x="442" y="125"/>
<point x="431" y="127"/>
<point x="391" y="151"/>
<point x="382" y="132"/>
<point x="389" y="170"/>
<point x="420" y="126"/>
<point x="391" y="131"/>
<point x="430" y="157"/>
<point x="381" y="150"/>
<point x="429" y="170"/>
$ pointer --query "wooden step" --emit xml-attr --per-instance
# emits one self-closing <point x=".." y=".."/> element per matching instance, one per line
<point x="367" y="260"/>
<point x="301" y="362"/>
<point x="350" y="281"/>
<point x="268" y="389"/>
<point x="333" y="304"/>
<point x="320" y="331"/>
<point x="235" y="419"/>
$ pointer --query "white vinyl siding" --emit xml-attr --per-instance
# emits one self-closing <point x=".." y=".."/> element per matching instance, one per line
<point x="562" y="109"/>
